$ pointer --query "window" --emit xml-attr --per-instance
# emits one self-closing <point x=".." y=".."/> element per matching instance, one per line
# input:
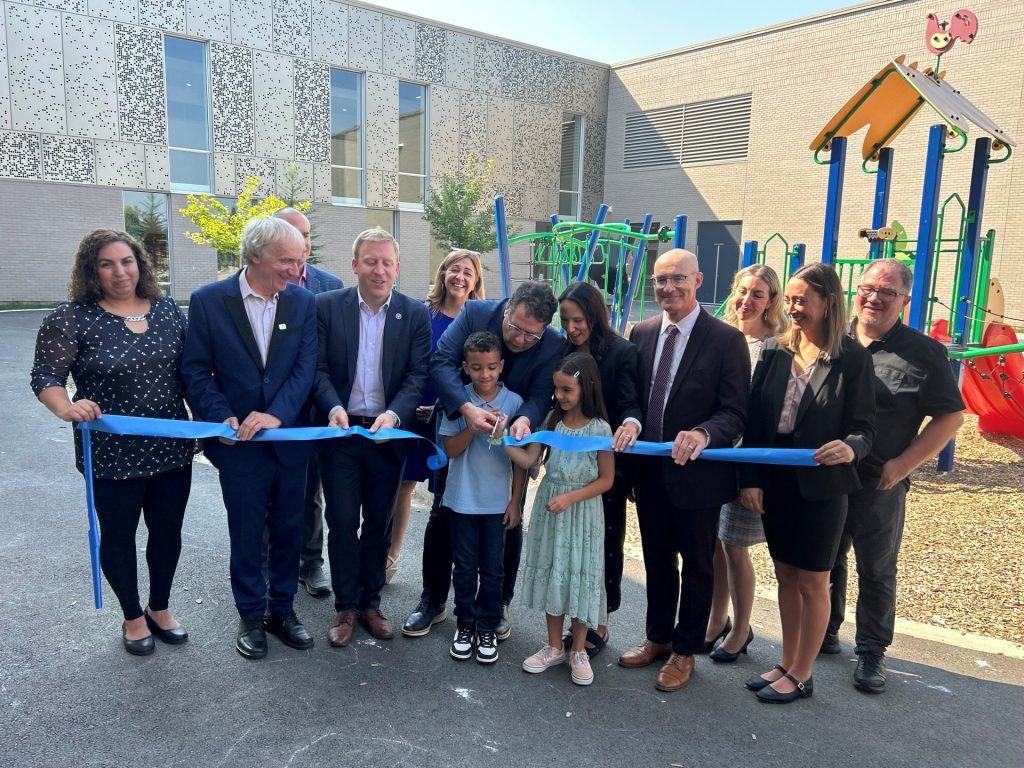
<point x="571" y="174"/>
<point x="412" y="143"/>
<point x="188" y="114"/>
<point x="346" y="138"/>
<point x="145" y="219"/>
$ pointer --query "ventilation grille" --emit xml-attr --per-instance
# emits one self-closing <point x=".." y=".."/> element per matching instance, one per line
<point x="702" y="132"/>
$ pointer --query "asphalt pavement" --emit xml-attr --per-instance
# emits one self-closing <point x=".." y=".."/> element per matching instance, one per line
<point x="70" y="695"/>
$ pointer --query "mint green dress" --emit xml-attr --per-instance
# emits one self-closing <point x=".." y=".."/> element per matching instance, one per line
<point x="564" y="571"/>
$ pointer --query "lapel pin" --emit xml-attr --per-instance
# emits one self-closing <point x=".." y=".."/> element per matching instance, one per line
<point x="282" y="327"/>
<point x="398" y="315"/>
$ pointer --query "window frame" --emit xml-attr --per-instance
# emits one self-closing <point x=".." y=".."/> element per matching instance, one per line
<point x="361" y="96"/>
<point x="191" y="189"/>
<point x="424" y="152"/>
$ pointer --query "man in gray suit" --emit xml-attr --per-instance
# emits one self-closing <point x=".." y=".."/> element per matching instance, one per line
<point x="311" y="562"/>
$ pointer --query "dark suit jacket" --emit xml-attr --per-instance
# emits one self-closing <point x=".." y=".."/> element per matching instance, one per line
<point x="838" y="404"/>
<point x="320" y="280"/>
<point x="530" y="378"/>
<point x="224" y="377"/>
<point x="405" y="357"/>
<point x="620" y="371"/>
<point x="709" y="391"/>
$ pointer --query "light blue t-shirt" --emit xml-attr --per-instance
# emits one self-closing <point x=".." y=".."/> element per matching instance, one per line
<point x="480" y="478"/>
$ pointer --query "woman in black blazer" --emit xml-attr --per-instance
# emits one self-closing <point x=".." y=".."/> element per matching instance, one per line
<point x="812" y="389"/>
<point x="584" y="318"/>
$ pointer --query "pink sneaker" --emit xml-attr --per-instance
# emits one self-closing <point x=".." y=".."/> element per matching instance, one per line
<point x="579" y="663"/>
<point x="543" y="659"/>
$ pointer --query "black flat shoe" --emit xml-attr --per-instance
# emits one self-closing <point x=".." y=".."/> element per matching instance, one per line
<point x="723" y="656"/>
<point x="757" y="683"/>
<point x="251" y="641"/>
<point x="175" y="636"/>
<point x="709" y="645"/>
<point x="142" y="647"/>
<point x="803" y="690"/>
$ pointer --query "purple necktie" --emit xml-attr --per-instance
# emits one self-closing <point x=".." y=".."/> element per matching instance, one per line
<point x="659" y="387"/>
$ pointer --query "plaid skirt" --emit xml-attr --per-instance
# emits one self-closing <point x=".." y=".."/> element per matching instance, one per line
<point x="739" y="527"/>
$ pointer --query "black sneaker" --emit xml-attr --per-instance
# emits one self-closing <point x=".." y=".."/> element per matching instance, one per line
<point x="870" y="673"/>
<point x="486" y="648"/>
<point x="830" y="644"/>
<point x="504" y="630"/>
<point x="423" y="618"/>
<point x="462" y="645"/>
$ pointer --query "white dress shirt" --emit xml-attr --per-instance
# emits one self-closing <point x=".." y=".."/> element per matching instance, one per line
<point x="685" y="327"/>
<point x="261" y="313"/>
<point x="367" y="398"/>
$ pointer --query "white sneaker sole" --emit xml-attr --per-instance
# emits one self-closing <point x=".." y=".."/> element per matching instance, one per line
<point x="582" y="680"/>
<point x="537" y="670"/>
<point x="487" y="659"/>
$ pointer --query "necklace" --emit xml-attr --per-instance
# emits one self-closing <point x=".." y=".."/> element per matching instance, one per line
<point x="133" y="318"/>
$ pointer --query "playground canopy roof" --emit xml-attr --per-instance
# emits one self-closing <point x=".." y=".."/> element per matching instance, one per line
<point x="888" y="102"/>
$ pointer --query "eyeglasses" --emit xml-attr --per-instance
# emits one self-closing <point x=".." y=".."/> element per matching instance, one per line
<point x="885" y="294"/>
<point x="533" y="338"/>
<point x="677" y="280"/>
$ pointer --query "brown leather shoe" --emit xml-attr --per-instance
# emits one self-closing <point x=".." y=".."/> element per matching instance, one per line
<point x="676" y="673"/>
<point x="340" y="633"/>
<point x="645" y="654"/>
<point x="376" y="624"/>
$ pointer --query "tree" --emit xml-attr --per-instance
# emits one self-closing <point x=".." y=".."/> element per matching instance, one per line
<point x="457" y="210"/>
<point x="221" y="227"/>
<point x="147" y="223"/>
<point x="294" y="191"/>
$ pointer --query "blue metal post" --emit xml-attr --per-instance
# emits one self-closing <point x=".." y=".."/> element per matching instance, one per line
<point x="679" y="241"/>
<point x="972" y="238"/>
<point x="834" y="201"/>
<point x="602" y="211"/>
<point x="924" y="258"/>
<point x="883" y="180"/>
<point x="749" y="254"/>
<point x="796" y="260"/>
<point x="504" y="260"/>
<point x="638" y="260"/>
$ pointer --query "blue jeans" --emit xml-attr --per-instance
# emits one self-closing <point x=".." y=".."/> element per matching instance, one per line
<point x="478" y="547"/>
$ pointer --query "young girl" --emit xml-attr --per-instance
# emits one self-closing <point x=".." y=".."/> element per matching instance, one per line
<point x="565" y="561"/>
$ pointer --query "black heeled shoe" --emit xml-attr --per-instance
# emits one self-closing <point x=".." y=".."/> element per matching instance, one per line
<point x="175" y="636"/>
<point x="709" y="645"/>
<point x="142" y="647"/>
<point x="803" y="690"/>
<point x="723" y="656"/>
<point x="757" y="683"/>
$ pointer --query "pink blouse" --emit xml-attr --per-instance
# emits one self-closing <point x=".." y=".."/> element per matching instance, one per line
<point x="794" y="394"/>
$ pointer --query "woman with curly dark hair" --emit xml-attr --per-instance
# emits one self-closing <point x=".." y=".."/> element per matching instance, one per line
<point x="120" y="340"/>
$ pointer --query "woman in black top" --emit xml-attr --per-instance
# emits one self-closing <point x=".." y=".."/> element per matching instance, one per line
<point x="584" y="318"/>
<point x="120" y="340"/>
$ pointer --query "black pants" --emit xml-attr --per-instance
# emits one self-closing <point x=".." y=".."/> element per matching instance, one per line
<point x="437" y="551"/>
<point x="161" y="499"/>
<point x="312" y="556"/>
<point x="360" y="479"/>
<point x="874" y="528"/>
<point x="615" y="538"/>
<point x="478" y="544"/>
<point x="667" y="531"/>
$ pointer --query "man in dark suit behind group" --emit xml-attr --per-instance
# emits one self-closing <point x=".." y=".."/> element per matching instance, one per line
<point x="694" y="382"/>
<point x="249" y="359"/>
<point x="311" y="561"/>
<point x="372" y="368"/>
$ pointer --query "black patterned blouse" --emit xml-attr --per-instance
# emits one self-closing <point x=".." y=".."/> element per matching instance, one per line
<point x="124" y="373"/>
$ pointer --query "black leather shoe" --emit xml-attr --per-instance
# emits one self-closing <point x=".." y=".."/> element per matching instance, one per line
<point x="175" y="636"/>
<point x="757" y="683"/>
<point x="504" y="629"/>
<point x="289" y="630"/>
<point x="142" y="647"/>
<point x="803" y="690"/>
<point x="709" y="645"/>
<point x="723" y="656"/>
<point x="870" y="673"/>
<point x="830" y="644"/>
<point x="252" y="639"/>
<point x="316" y="582"/>
<point x="423" y="618"/>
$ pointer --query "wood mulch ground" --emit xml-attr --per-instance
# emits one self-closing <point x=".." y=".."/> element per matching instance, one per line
<point x="961" y="565"/>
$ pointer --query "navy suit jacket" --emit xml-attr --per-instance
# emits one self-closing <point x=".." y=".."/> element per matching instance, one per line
<point x="709" y="391"/>
<point x="224" y="376"/>
<point x="320" y="280"/>
<point x="530" y="377"/>
<point x="404" y="359"/>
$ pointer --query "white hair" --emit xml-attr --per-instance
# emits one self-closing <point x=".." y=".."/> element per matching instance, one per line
<point x="259" y="233"/>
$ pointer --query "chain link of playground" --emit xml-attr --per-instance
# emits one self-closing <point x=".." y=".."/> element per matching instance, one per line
<point x="960" y="564"/>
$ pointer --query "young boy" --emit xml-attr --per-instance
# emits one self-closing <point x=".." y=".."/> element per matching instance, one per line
<point x="484" y="494"/>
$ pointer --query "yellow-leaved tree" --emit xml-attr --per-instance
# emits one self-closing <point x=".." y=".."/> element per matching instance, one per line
<point x="220" y="227"/>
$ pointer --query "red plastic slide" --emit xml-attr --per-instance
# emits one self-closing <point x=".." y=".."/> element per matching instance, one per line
<point x="994" y="390"/>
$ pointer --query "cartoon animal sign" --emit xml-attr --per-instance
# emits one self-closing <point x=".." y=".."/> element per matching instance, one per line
<point x="941" y="35"/>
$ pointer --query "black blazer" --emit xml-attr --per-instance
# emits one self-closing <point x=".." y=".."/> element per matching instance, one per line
<point x="620" y="371"/>
<point x="709" y="391"/>
<point x="404" y="359"/>
<point x="838" y="404"/>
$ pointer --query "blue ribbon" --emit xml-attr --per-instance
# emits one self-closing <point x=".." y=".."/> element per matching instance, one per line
<point x="196" y="430"/>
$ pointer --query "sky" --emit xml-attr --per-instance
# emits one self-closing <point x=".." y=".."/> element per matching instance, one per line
<point x="610" y="31"/>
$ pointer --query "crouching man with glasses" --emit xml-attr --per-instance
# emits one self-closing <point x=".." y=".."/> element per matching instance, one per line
<point x="912" y="380"/>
